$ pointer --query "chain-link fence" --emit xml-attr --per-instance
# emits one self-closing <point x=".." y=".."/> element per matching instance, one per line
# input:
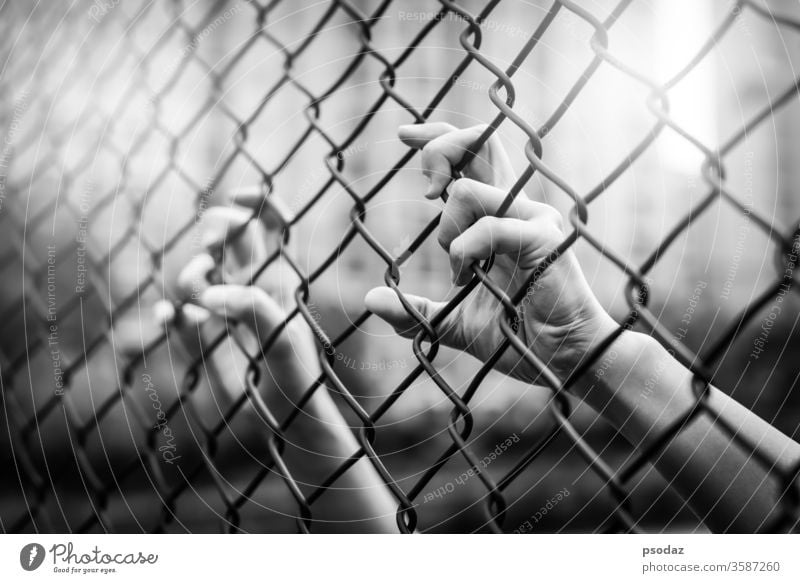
<point x="124" y="124"/>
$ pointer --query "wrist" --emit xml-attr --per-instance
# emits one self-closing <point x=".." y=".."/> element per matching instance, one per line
<point x="581" y="343"/>
<point x="605" y="379"/>
<point x="637" y="386"/>
<point x="295" y="365"/>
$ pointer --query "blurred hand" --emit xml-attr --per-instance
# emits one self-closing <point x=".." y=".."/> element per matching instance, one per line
<point x="320" y="439"/>
<point x="291" y="362"/>
<point x="562" y="320"/>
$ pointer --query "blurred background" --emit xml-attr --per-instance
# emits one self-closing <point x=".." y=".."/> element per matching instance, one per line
<point x="123" y="122"/>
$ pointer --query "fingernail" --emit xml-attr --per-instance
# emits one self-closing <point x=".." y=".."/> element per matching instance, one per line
<point x="431" y="191"/>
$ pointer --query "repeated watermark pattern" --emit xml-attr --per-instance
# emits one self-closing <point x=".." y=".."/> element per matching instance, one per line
<point x="7" y="152"/>
<point x="660" y="366"/>
<point x="462" y="479"/>
<point x="169" y="448"/>
<point x="744" y="228"/>
<point x="53" y="342"/>
<point x="348" y="361"/>
<point x="489" y="24"/>
<point x="202" y="208"/>
<point x="82" y="238"/>
<point x="189" y="48"/>
<point x="548" y="506"/>
<point x="394" y="81"/>
<point x="787" y="281"/>
<point x="100" y="8"/>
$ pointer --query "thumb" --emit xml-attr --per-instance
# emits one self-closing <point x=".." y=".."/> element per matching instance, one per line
<point x="246" y="304"/>
<point x="384" y="303"/>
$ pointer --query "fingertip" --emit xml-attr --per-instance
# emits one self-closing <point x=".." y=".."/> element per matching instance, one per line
<point x="383" y="302"/>
<point x="417" y="135"/>
<point x="250" y="196"/>
<point x="378" y="298"/>
<point x="456" y="250"/>
<point x="438" y="184"/>
<point x="410" y="136"/>
<point x="194" y="315"/>
<point x="432" y="193"/>
<point x="163" y="312"/>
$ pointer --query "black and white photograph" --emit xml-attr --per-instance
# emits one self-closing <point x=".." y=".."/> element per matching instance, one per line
<point x="430" y="267"/>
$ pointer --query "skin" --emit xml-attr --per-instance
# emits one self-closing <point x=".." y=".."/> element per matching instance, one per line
<point x="563" y="323"/>
<point x="320" y="439"/>
<point x="725" y="486"/>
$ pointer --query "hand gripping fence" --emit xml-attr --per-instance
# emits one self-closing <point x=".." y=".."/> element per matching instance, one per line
<point x="34" y="87"/>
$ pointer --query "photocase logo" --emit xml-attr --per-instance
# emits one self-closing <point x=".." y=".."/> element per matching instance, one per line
<point x="31" y="556"/>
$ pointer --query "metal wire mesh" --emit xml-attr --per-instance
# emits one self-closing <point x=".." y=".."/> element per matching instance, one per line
<point x="88" y="142"/>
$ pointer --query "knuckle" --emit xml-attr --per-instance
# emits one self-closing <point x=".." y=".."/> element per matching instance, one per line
<point x="485" y="224"/>
<point x="444" y="127"/>
<point x="431" y="153"/>
<point x="434" y="147"/>
<point x="518" y="209"/>
<point x="554" y="217"/>
<point x="445" y="146"/>
<point x="456" y="253"/>
<point x="460" y="190"/>
<point x="475" y="132"/>
<point x="553" y="234"/>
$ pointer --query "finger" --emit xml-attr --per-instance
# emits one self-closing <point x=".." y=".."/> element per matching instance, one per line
<point x="165" y="314"/>
<point x="255" y="246"/>
<point x="131" y="335"/>
<point x="471" y="200"/>
<point x="187" y="322"/>
<point x="292" y="360"/>
<point x="220" y="370"/>
<point x="192" y="281"/>
<point x="527" y="241"/>
<point x="233" y="230"/>
<point x="193" y="278"/>
<point x="248" y="305"/>
<point x="441" y="151"/>
<point x="274" y="214"/>
<point x="384" y="303"/>
<point x="417" y="136"/>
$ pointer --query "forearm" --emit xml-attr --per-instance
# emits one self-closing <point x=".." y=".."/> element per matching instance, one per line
<point x="327" y="442"/>
<point x="643" y="390"/>
<point x="321" y="441"/>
